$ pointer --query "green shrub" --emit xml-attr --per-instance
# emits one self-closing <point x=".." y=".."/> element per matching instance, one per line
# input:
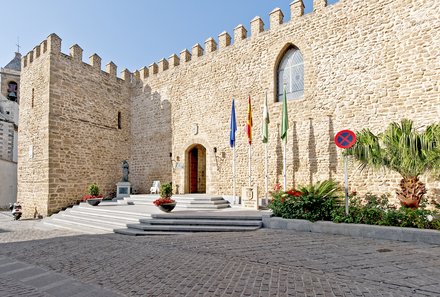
<point x="93" y="190"/>
<point x="414" y="218"/>
<point x="367" y="210"/>
<point x="166" y="190"/>
<point x="312" y="202"/>
<point x="375" y="210"/>
<point x="322" y="201"/>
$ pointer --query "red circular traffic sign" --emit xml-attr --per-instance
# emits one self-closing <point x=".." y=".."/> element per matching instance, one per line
<point x="345" y="139"/>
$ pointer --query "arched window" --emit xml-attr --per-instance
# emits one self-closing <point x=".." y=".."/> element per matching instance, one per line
<point x="12" y="91"/>
<point x="291" y="74"/>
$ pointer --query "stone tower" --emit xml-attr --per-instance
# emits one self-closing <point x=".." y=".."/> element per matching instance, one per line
<point x="74" y="127"/>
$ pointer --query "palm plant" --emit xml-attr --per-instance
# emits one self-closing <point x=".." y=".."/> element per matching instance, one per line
<point x="403" y="149"/>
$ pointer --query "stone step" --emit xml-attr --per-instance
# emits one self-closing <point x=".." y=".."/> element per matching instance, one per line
<point x="208" y="216"/>
<point x="83" y="226"/>
<point x="195" y="201"/>
<point x="188" y="197"/>
<point x="138" y="232"/>
<point x="203" y="222"/>
<point x="101" y="209"/>
<point x="70" y="227"/>
<point x="106" y="215"/>
<point x="181" y="200"/>
<point x="187" y="204"/>
<point x="122" y="222"/>
<point x="190" y="228"/>
<point x="202" y="206"/>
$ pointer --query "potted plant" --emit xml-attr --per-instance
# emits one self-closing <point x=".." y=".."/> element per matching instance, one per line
<point x="165" y="203"/>
<point x="94" y="198"/>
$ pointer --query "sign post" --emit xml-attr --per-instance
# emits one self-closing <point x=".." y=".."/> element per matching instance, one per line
<point x="345" y="139"/>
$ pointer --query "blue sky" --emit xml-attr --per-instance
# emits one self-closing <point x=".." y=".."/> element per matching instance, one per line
<point x="131" y="33"/>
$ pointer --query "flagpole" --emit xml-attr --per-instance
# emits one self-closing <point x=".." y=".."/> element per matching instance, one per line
<point x="232" y="144"/>
<point x="265" y="171"/>
<point x="284" y="128"/>
<point x="250" y="171"/>
<point x="233" y="174"/>
<point x="249" y="133"/>
<point x="284" y="166"/>
<point x="265" y="138"/>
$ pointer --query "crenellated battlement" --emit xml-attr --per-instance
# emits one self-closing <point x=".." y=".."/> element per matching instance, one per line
<point x="257" y="27"/>
<point x="52" y="45"/>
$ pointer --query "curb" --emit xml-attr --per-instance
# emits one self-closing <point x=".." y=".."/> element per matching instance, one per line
<point x="355" y="230"/>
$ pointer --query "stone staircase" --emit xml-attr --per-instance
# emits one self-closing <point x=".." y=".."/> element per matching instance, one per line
<point x="93" y="220"/>
<point x="189" y="201"/>
<point x="193" y="222"/>
<point x="109" y="217"/>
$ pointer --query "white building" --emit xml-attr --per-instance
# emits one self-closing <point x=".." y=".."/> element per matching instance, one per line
<point x="9" y="102"/>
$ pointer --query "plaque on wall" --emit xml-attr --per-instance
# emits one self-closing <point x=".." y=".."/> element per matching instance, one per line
<point x="249" y="197"/>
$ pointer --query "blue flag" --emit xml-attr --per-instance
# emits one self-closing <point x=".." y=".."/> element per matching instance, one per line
<point x="233" y="126"/>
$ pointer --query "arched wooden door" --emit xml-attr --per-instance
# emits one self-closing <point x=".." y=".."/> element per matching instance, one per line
<point x="196" y="172"/>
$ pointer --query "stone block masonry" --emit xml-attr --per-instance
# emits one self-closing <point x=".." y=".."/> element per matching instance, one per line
<point x="70" y="134"/>
<point x="366" y="64"/>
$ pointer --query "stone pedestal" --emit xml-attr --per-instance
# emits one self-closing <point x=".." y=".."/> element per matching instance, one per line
<point x="249" y="198"/>
<point x="123" y="189"/>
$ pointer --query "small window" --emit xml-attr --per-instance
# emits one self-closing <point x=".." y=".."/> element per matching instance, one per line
<point x="119" y="120"/>
<point x="32" y="102"/>
<point x="290" y="75"/>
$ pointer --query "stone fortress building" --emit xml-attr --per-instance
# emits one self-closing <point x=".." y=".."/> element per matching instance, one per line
<point x="354" y="64"/>
<point x="9" y="100"/>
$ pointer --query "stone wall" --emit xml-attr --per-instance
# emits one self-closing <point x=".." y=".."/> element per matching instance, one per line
<point x="33" y="143"/>
<point x="84" y="144"/>
<point x="367" y="63"/>
<point x="151" y="139"/>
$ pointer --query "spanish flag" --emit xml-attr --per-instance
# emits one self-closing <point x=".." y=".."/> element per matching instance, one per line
<point x="249" y="121"/>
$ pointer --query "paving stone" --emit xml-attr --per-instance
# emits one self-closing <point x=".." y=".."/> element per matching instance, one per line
<point x="262" y="263"/>
<point x="44" y="280"/>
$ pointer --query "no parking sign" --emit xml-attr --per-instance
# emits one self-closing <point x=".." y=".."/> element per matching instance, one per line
<point x="345" y="139"/>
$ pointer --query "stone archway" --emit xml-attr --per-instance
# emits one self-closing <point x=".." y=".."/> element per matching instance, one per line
<point x="195" y="176"/>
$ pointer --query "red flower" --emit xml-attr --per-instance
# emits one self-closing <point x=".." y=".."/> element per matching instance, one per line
<point x="161" y="201"/>
<point x="87" y="197"/>
<point x="294" y="193"/>
<point x="297" y="194"/>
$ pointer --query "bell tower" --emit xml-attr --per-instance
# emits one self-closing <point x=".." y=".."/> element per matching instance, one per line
<point x="10" y="79"/>
<point x="9" y="99"/>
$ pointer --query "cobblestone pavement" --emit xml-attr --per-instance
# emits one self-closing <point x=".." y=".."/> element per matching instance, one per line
<point x="261" y="263"/>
